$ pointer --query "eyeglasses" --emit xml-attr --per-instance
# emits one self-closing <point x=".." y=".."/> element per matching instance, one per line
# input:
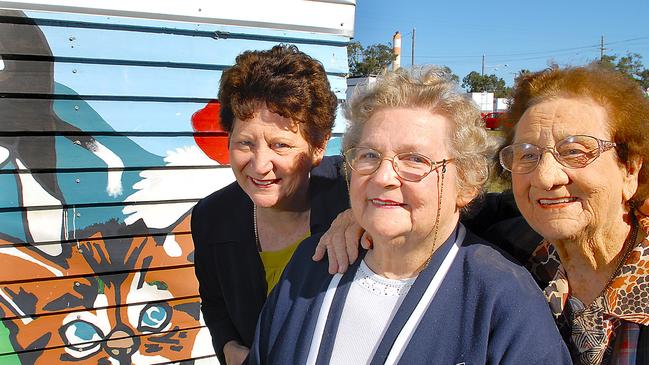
<point x="409" y="166"/>
<point x="573" y="152"/>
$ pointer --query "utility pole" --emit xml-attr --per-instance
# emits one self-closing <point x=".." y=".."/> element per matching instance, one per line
<point x="601" y="49"/>
<point x="412" y="51"/>
<point x="482" y="72"/>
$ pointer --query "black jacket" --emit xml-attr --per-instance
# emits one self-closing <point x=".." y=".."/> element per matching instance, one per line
<point x="230" y="273"/>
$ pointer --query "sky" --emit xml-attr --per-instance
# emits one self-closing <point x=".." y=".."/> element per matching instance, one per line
<point x="512" y="35"/>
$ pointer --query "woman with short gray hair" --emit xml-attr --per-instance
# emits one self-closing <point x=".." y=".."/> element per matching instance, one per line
<point x="429" y="291"/>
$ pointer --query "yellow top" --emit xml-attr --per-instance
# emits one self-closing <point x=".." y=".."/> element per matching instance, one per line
<point x="275" y="262"/>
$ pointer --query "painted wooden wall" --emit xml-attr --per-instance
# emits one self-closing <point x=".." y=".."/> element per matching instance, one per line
<point x="108" y="137"/>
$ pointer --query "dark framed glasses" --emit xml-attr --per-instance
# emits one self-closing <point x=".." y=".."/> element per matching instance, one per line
<point x="573" y="152"/>
<point x="409" y="166"/>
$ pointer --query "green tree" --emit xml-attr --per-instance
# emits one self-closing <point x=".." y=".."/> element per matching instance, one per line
<point x="521" y="73"/>
<point x="475" y="82"/>
<point x="449" y="73"/>
<point x="644" y="79"/>
<point x="630" y="65"/>
<point x="371" y="60"/>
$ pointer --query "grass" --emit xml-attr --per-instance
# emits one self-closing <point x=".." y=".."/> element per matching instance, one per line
<point x="494" y="184"/>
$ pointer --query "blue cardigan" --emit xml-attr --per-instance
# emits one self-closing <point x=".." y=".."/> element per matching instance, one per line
<point x="488" y="310"/>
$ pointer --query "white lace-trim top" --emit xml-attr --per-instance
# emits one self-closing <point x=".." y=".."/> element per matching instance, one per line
<point x="379" y="285"/>
<point x="369" y="307"/>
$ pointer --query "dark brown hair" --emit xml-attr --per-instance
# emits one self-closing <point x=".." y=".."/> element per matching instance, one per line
<point x="626" y="105"/>
<point x="289" y="82"/>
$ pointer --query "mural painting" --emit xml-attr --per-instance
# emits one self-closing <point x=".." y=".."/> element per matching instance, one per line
<point x="105" y="146"/>
<point x="117" y="291"/>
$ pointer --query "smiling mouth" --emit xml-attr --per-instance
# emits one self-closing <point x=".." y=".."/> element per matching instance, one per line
<point x="263" y="183"/>
<point x="557" y="201"/>
<point x="385" y="203"/>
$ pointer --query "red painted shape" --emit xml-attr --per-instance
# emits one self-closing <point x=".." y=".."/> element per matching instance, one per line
<point x="207" y="120"/>
<point x="493" y="120"/>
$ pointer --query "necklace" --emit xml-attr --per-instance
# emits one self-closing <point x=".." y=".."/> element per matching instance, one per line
<point x="629" y="245"/>
<point x="254" y="224"/>
<point x="436" y="228"/>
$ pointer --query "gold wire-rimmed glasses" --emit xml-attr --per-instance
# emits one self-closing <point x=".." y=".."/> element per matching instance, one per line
<point x="573" y="151"/>
<point x="409" y="166"/>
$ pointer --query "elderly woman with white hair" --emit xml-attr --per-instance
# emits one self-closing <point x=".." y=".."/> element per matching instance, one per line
<point x="429" y="291"/>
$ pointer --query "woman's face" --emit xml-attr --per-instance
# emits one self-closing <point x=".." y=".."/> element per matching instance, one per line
<point x="271" y="160"/>
<point x="565" y="203"/>
<point x="389" y="207"/>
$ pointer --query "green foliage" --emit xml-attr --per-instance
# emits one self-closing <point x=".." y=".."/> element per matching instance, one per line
<point x="475" y="82"/>
<point x="521" y="73"/>
<point x="449" y="73"/>
<point x="371" y="60"/>
<point x="374" y="59"/>
<point x="630" y="65"/>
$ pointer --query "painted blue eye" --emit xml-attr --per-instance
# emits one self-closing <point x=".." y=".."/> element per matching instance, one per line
<point x="81" y="336"/>
<point x="154" y="317"/>
<point x="85" y="331"/>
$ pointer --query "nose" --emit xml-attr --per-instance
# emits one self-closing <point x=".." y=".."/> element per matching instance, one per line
<point x="385" y="174"/>
<point x="121" y="345"/>
<point x="549" y="173"/>
<point x="262" y="160"/>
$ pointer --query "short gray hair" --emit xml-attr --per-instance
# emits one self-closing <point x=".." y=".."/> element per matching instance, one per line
<point x="430" y="88"/>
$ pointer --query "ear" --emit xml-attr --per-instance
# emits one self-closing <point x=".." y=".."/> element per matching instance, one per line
<point x="465" y="196"/>
<point x="630" y="178"/>
<point x="318" y="152"/>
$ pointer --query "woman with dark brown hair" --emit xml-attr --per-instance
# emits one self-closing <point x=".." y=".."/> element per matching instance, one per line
<point x="278" y="109"/>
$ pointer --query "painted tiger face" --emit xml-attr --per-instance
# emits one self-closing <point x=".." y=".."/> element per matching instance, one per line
<point x="113" y="301"/>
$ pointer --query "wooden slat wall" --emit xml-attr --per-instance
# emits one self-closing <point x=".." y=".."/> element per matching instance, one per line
<point x="102" y="157"/>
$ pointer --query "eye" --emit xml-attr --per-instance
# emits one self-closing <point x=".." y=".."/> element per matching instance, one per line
<point x="528" y="157"/>
<point x="81" y="336"/>
<point x="526" y="153"/>
<point x="279" y="146"/>
<point x="572" y="150"/>
<point x="413" y="158"/>
<point x="154" y="317"/>
<point x="367" y="155"/>
<point x="244" y="143"/>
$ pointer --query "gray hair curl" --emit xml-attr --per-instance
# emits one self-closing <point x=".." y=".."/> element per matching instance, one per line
<point x="430" y="88"/>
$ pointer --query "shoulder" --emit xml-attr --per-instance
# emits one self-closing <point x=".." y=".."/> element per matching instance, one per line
<point x="329" y="167"/>
<point x="513" y="306"/>
<point x="302" y="271"/>
<point x="227" y="195"/>
<point x="490" y="267"/>
<point x="220" y="212"/>
<point x="301" y="258"/>
<point x="496" y="218"/>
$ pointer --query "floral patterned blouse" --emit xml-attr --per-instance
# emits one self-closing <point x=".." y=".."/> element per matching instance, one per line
<point x="605" y="331"/>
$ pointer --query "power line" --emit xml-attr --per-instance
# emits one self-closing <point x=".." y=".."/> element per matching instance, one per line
<point x="507" y="60"/>
<point x="628" y="40"/>
<point x="545" y="53"/>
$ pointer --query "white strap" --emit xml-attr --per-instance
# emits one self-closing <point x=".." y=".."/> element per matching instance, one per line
<point x="322" y="319"/>
<point x="411" y="325"/>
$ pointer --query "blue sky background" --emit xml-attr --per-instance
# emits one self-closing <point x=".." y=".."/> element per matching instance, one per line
<point x="519" y="34"/>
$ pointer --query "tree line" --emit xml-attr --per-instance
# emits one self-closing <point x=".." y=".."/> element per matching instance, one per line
<point x="373" y="59"/>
